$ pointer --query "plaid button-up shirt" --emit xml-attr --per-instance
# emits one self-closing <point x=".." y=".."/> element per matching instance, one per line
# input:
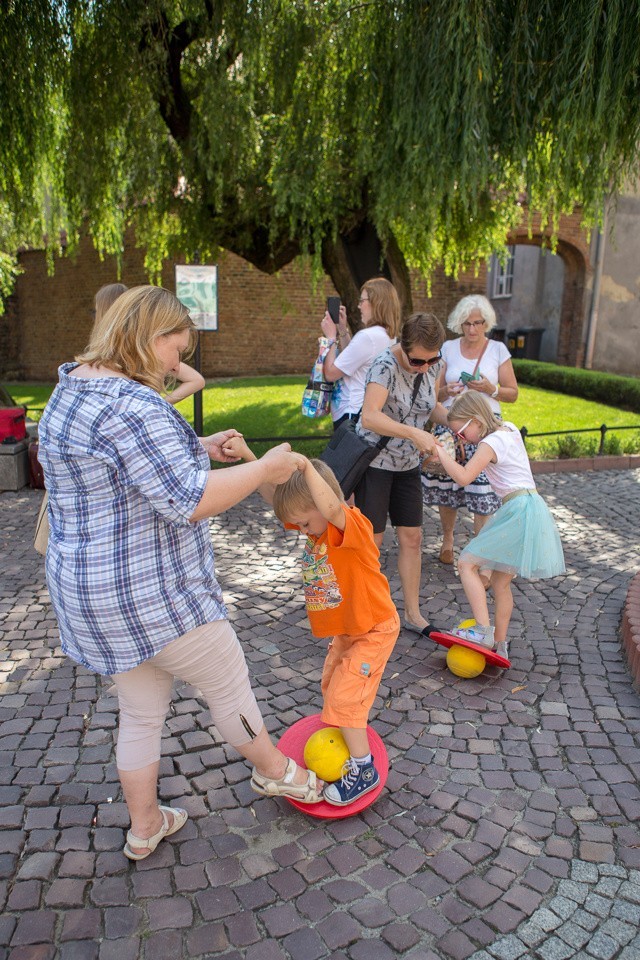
<point x="126" y="569"/>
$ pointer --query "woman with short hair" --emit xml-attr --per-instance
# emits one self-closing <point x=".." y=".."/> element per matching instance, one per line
<point x="399" y="406"/>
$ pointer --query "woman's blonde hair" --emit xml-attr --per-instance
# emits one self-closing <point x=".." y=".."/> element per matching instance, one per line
<point x="473" y="406"/>
<point x="294" y="496"/>
<point x="122" y="339"/>
<point x="106" y="297"/>
<point x="463" y="310"/>
<point x="385" y="305"/>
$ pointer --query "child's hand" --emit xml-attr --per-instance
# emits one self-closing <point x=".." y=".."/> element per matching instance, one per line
<point x="236" y="448"/>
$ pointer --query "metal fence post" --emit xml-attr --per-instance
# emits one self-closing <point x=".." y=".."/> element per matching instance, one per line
<point x="603" y="430"/>
<point x="523" y="434"/>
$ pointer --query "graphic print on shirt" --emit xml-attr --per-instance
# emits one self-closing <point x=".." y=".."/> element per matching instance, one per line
<point x="321" y="590"/>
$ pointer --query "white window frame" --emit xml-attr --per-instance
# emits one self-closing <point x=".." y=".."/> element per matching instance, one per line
<point x="503" y="276"/>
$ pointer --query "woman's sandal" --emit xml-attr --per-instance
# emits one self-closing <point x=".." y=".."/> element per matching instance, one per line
<point x="179" y="819"/>
<point x="285" y="787"/>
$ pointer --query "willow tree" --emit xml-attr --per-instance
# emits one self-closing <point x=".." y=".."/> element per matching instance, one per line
<point x="274" y="128"/>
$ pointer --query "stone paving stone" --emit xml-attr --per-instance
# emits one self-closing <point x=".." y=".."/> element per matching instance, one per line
<point x="304" y="944"/>
<point x="491" y="793"/>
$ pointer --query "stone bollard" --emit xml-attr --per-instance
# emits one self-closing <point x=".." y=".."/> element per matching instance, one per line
<point x="14" y="465"/>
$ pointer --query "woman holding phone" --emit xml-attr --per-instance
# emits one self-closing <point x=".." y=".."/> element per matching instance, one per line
<point x="350" y="357"/>
<point x="471" y="362"/>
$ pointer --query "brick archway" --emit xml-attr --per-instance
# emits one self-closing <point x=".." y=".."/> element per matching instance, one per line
<point x="573" y="248"/>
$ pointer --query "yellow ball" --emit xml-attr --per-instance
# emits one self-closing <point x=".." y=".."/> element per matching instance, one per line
<point x="326" y="753"/>
<point x="465" y="662"/>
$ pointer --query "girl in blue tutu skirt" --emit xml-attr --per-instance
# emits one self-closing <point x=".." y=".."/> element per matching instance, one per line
<point x="520" y="538"/>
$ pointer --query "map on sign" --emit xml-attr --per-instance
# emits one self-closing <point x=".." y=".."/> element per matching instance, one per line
<point x="197" y="289"/>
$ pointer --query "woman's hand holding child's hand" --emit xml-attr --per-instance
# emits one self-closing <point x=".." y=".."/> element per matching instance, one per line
<point x="215" y="444"/>
<point x="235" y="448"/>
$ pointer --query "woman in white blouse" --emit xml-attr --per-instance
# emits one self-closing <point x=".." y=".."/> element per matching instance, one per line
<point x="349" y="358"/>
<point x="472" y="354"/>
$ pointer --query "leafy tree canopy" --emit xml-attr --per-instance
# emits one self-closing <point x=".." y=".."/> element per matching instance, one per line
<point x="275" y="127"/>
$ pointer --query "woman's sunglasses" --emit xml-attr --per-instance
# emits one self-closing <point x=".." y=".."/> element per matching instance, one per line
<point x="419" y="362"/>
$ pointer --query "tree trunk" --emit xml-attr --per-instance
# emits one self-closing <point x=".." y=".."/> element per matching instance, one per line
<point x="348" y="261"/>
<point x="336" y="265"/>
<point x="399" y="275"/>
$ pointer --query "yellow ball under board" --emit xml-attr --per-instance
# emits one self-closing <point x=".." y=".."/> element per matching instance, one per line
<point x="465" y="662"/>
<point x="326" y="753"/>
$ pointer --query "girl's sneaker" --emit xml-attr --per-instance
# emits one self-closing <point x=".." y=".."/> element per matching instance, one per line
<point x="481" y="636"/>
<point x="357" y="779"/>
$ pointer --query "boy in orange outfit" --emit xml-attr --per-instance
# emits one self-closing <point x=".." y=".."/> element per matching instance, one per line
<point x="347" y="598"/>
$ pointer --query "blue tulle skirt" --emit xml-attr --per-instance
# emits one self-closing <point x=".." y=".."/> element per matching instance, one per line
<point x="521" y="538"/>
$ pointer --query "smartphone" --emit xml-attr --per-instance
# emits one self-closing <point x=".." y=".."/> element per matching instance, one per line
<point x="333" y="308"/>
<point x="465" y="377"/>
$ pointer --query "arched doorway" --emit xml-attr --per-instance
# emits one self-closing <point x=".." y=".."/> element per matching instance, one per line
<point x="545" y="290"/>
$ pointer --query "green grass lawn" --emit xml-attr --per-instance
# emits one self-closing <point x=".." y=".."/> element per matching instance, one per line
<point x="270" y="407"/>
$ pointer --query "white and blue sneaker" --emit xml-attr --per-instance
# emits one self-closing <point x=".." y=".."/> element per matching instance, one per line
<point x="481" y="636"/>
<point x="357" y="779"/>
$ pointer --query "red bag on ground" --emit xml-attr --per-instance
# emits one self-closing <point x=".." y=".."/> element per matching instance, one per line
<point x="36" y="473"/>
<point x="13" y="424"/>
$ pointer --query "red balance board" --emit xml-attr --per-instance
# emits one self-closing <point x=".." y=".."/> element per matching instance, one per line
<point x="450" y="640"/>
<point x="292" y="744"/>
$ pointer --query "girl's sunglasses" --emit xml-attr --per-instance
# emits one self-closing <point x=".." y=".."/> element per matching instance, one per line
<point x="419" y="362"/>
<point x="460" y="433"/>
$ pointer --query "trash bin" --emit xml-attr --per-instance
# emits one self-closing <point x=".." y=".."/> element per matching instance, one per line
<point x="498" y="333"/>
<point x="524" y="343"/>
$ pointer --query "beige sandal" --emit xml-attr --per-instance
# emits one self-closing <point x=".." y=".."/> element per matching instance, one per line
<point x="285" y="787"/>
<point x="179" y="819"/>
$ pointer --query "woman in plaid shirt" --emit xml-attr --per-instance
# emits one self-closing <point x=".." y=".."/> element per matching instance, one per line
<point x="130" y="565"/>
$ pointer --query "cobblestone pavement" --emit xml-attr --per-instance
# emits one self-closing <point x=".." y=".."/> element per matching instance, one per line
<point x="509" y="827"/>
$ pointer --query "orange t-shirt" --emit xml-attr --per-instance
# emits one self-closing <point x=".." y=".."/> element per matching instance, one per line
<point x="344" y="589"/>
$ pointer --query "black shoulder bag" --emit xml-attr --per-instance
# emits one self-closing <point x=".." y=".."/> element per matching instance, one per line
<point x="349" y="455"/>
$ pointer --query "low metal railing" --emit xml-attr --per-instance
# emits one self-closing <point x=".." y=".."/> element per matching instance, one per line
<point x="603" y="429"/>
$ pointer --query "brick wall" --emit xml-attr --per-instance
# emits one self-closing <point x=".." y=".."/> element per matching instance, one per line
<point x="10" y="340"/>
<point x="267" y="325"/>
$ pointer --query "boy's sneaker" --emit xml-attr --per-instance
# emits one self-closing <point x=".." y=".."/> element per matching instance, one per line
<point x="356" y="781"/>
<point x="481" y="636"/>
<point x="502" y="649"/>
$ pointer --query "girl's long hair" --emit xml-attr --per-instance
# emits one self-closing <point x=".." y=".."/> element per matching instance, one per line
<point x="106" y="297"/>
<point x="122" y="338"/>
<point x="472" y="405"/>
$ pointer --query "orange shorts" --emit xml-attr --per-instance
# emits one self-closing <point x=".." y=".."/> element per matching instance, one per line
<point x="353" y="671"/>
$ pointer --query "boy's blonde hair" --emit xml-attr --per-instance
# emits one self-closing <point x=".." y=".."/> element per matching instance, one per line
<point x="294" y="496"/>
<point x="122" y="338"/>
<point x="472" y="405"/>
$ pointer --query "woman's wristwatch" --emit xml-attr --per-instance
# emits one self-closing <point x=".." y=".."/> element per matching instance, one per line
<point x="496" y="391"/>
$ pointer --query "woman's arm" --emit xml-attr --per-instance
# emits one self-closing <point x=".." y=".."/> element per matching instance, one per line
<point x="372" y="418"/>
<point x="190" y="381"/>
<point x="236" y="448"/>
<point x="225" y="488"/>
<point x="507" y="384"/>
<point x="340" y="334"/>
<point x="463" y="475"/>
<point x="444" y="389"/>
